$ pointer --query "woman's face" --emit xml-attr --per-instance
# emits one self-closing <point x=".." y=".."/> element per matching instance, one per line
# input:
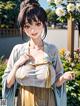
<point x="34" y="29"/>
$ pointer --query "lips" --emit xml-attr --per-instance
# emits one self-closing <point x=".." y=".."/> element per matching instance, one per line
<point x="34" y="34"/>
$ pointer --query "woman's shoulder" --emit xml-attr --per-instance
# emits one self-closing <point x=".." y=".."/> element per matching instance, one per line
<point x="51" y="47"/>
<point x="20" y="46"/>
<point x="19" y="50"/>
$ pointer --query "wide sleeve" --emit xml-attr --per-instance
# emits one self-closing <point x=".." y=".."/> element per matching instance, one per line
<point x="9" y="93"/>
<point x="57" y="64"/>
<point x="60" y="92"/>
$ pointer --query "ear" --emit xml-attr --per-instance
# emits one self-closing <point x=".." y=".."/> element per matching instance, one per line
<point x="24" y="29"/>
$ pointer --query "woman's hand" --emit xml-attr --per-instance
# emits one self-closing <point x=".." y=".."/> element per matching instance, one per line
<point x="22" y="60"/>
<point x="65" y="77"/>
<point x="68" y="75"/>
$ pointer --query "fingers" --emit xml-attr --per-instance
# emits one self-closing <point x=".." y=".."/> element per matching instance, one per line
<point x="22" y="60"/>
<point x="26" y="56"/>
<point x="69" y="75"/>
<point x="31" y="58"/>
<point x="73" y="75"/>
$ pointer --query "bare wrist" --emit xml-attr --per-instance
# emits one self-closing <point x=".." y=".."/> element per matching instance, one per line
<point x="63" y="79"/>
<point x="16" y="66"/>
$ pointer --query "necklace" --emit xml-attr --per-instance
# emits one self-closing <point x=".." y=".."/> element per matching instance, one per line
<point x="34" y="51"/>
<point x="40" y="46"/>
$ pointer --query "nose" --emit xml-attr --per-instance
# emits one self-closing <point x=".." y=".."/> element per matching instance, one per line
<point x="33" y="30"/>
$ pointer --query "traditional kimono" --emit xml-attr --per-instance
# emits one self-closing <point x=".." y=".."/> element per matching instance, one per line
<point x="35" y="94"/>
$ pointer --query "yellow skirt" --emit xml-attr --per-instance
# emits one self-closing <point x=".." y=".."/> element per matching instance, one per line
<point x="34" y="96"/>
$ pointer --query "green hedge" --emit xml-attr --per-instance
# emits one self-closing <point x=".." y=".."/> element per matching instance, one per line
<point x="72" y="87"/>
<point x="2" y="68"/>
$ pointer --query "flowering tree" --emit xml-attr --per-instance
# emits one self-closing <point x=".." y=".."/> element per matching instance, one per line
<point x="69" y="10"/>
<point x="65" y="8"/>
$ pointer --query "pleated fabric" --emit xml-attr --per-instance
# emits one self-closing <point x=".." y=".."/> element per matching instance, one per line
<point x="34" y="96"/>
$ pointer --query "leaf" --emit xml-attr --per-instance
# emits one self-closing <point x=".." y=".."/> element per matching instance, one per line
<point x="53" y="5"/>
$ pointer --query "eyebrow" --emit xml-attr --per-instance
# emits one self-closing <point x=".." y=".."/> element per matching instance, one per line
<point x="34" y="21"/>
<point x="26" y="22"/>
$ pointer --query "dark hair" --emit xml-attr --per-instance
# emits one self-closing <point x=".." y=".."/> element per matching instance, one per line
<point x="30" y="10"/>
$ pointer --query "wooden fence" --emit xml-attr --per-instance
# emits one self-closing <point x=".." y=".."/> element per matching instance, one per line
<point x="9" y="32"/>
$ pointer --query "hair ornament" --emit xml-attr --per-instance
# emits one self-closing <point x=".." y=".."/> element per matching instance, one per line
<point x="29" y="3"/>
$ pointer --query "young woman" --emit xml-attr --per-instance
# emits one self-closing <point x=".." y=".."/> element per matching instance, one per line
<point x="35" y="65"/>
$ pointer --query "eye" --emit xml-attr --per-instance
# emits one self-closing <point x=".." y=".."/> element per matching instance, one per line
<point x="38" y="24"/>
<point x="27" y="26"/>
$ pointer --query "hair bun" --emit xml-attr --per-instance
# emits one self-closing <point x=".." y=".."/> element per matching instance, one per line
<point x="29" y="2"/>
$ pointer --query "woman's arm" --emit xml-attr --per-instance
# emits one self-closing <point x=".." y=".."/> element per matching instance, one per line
<point x="65" y="77"/>
<point x="61" y="77"/>
<point x="11" y="77"/>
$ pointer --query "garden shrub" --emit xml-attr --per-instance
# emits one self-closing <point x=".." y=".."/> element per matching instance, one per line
<point x="72" y="87"/>
<point x="2" y="68"/>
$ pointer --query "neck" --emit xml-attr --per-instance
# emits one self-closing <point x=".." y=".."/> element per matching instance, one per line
<point x="37" y="44"/>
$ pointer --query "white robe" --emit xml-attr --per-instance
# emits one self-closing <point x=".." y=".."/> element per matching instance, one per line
<point x="53" y="56"/>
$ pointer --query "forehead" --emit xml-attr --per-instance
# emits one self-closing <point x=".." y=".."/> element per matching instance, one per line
<point x="31" y="20"/>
